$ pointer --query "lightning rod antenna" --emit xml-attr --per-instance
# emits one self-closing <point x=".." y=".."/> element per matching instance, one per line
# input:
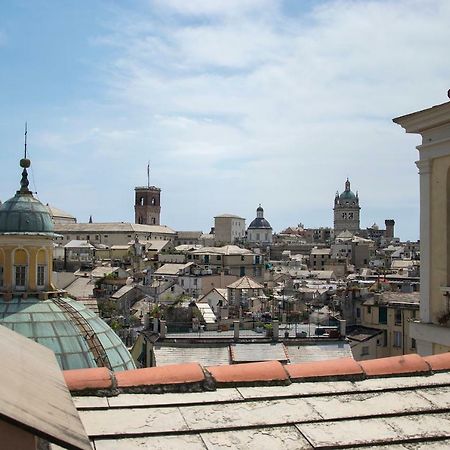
<point x="26" y="140"/>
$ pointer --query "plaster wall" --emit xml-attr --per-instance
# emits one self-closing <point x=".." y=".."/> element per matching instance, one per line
<point x="439" y="239"/>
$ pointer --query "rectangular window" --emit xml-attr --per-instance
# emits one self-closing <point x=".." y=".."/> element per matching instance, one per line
<point x="21" y="276"/>
<point x="257" y="259"/>
<point x="358" y="313"/>
<point x="364" y="351"/>
<point x="397" y="339"/>
<point x="242" y="258"/>
<point x="398" y="317"/>
<point x="369" y="310"/>
<point x="413" y="343"/>
<point x="1" y="276"/>
<point x="41" y="276"/>
<point x="382" y="315"/>
<point x="384" y="338"/>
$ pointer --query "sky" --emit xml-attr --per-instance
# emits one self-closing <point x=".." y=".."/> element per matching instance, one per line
<point x="233" y="103"/>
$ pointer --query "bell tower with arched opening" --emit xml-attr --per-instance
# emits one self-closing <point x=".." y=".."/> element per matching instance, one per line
<point x="147" y="203"/>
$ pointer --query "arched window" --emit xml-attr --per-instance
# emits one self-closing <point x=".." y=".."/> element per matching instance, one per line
<point x="141" y="201"/>
<point x="153" y="201"/>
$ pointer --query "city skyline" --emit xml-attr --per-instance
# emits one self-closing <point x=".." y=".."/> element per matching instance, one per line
<point x="234" y="104"/>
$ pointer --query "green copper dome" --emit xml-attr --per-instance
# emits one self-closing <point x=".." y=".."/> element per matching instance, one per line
<point x="24" y="214"/>
<point x="78" y="337"/>
<point x="347" y="195"/>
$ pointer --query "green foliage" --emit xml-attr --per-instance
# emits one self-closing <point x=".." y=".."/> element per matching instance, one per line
<point x="107" y="308"/>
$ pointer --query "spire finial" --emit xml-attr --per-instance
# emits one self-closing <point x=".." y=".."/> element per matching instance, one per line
<point x="26" y="132"/>
<point x="347" y="185"/>
<point x="25" y="163"/>
<point x="148" y="174"/>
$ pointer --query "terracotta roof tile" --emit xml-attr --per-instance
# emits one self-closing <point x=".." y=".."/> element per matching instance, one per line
<point x="152" y="376"/>
<point x="181" y="376"/>
<point x="439" y="362"/>
<point x="84" y="379"/>
<point x="395" y="365"/>
<point x="267" y="371"/>
<point x="342" y="368"/>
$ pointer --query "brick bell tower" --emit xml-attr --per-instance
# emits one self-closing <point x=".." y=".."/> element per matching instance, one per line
<point x="147" y="203"/>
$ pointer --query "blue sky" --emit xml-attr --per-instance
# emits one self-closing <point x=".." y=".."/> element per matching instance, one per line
<point x="234" y="103"/>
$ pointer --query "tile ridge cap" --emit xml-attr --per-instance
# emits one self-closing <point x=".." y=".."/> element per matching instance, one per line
<point x="311" y="370"/>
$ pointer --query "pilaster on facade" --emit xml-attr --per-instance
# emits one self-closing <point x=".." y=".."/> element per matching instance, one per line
<point x="424" y="166"/>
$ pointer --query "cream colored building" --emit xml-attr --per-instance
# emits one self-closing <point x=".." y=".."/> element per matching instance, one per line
<point x="228" y="228"/>
<point x="432" y="331"/>
<point x="391" y="313"/>
<point x="60" y="216"/>
<point x="229" y="260"/>
<point x="111" y="233"/>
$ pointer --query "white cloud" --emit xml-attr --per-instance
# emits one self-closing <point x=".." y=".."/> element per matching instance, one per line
<point x="239" y="102"/>
<point x="214" y="8"/>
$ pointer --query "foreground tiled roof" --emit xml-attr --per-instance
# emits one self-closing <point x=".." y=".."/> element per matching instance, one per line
<point x="399" y="402"/>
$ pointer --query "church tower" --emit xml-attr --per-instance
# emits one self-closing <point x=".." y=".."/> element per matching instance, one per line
<point x="147" y="203"/>
<point x="346" y="211"/>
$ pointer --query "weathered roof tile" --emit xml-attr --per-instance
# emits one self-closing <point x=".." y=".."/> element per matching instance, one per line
<point x="267" y="371"/>
<point x="342" y="368"/>
<point x="87" y="379"/>
<point x="438" y="362"/>
<point x="153" y="376"/>
<point x="395" y="365"/>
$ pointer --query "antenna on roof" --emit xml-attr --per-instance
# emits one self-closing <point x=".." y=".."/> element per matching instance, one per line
<point x="148" y="174"/>
<point x="25" y="141"/>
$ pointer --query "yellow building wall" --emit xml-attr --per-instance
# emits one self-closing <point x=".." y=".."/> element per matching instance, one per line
<point x="440" y="349"/>
<point x="439" y="269"/>
<point x="27" y="251"/>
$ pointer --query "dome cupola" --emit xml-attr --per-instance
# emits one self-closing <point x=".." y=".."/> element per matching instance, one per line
<point x="259" y="222"/>
<point x="23" y="213"/>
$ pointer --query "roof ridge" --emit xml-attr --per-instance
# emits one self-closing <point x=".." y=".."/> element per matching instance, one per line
<point x="193" y="377"/>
